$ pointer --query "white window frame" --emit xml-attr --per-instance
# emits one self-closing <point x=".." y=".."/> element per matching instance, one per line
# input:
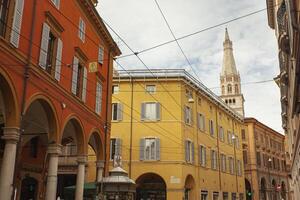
<point x="231" y="164"/>
<point x="188" y="115"/>
<point x="101" y="55"/>
<point x="202" y="155"/>
<point x="213" y="157"/>
<point x="150" y="89"/>
<point x="201" y="122"/>
<point x="119" y="111"/>
<point x="155" y="149"/>
<point x="81" y="29"/>
<point x="115" y="91"/>
<point x="190" y="153"/>
<point x="223" y="162"/>
<point x="146" y="116"/>
<point x="221" y="133"/>
<point x="117" y="145"/>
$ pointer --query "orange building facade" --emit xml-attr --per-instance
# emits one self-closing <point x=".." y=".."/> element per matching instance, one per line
<point x="55" y="94"/>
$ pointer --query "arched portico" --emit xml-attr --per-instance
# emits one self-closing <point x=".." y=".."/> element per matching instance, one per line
<point x="151" y="184"/>
<point x="189" y="188"/>
<point x="263" y="189"/>
<point x="9" y="134"/>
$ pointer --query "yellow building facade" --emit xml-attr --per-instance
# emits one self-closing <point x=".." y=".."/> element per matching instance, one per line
<point x="176" y="138"/>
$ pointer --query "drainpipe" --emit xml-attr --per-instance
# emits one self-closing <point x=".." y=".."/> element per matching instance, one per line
<point x="218" y="145"/>
<point x="131" y="127"/>
<point x="24" y="93"/>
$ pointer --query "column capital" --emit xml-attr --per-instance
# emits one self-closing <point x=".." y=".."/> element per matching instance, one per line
<point x="100" y="163"/>
<point x="11" y="134"/>
<point x="54" y="149"/>
<point x="82" y="159"/>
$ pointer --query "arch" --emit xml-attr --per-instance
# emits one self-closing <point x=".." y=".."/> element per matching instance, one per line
<point x="283" y="192"/>
<point x="9" y="101"/>
<point x="236" y="88"/>
<point x="95" y="141"/>
<point x="29" y="188"/>
<point x="49" y="110"/>
<point x="248" y="189"/>
<point x="229" y="89"/>
<point x="151" y="184"/>
<point x="263" y="187"/>
<point x="73" y="131"/>
<point x="189" y="188"/>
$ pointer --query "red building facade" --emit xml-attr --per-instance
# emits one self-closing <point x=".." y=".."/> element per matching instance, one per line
<point x="55" y="79"/>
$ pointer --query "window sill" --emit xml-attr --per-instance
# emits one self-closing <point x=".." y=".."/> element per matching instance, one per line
<point x="115" y="121"/>
<point x="150" y="120"/>
<point x="149" y="160"/>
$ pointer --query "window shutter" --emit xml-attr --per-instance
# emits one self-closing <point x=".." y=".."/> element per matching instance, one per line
<point x="142" y="149"/>
<point x="118" y="147"/>
<point x="186" y="151"/>
<point x="203" y="122"/>
<point x="191" y="116"/>
<point x="212" y="159"/>
<point x="100" y="55"/>
<point x="74" y="75"/>
<point x="198" y="121"/>
<point x="193" y="153"/>
<point x="17" y="23"/>
<point x="98" y="98"/>
<point x="204" y="156"/>
<point x="185" y="114"/>
<point x="84" y="83"/>
<point x="119" y="111"/>
<point x="58" y="59"/>
<point x="157" y="146"/>
<point x="157" y="111"/>
<point x="44" y="46"/>
<point x="143" y="110"/>
<point x="199" y="155"/>
<point x="111" y="147"/>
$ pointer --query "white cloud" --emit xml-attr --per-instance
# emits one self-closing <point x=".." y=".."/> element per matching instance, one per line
<point x="141" y="26"/>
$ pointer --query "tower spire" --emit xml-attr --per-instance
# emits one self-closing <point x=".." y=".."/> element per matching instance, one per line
<point x="228" y="58"/>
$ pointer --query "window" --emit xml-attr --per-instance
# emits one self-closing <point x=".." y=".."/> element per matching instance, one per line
<point x="81" y="30"/>
<point x="56" y="3"/>
<point x="239" y="168"/>
<point x="100" y="55"/>
<point x="231" y="165"/>
<point x="223" y="90"/>
<point x="225" y="195"/>
<point x="79" y="79"/>
<point x="34" y="147"/>
<point x="115" y="89"/>
<point x="189" y="93"/>
<point x="233" y="101"/>
<point x="115" y="147"/>
<point x="202" y="154"/>
<point x="50" y="52"/>
<point x="213" y="159"/>
<point x="233" y="196"/>
<point x="221" y="133"/>
<point x="241" y="196"/>
<point x="236" y="89"/>
<point x="98" y="103"/>
<point x="229" y="137"/>
<point x="223" y="163"/>
<point x="237" y="141"/>
<point x="117" y="112"/>
<point x="243" y="134"/>
<point x="69" y="149"/>
<point x="189" y="151"/>
<point x="4" y="6"/>
<point x="187" y="115"/>
<point x="245" y="157"/>
<point x="229" y="89"/>
<point x="149" y="149"/>
<point x="258" y="159"/>
<point x="150" y="111"/>
<point x="211" y="127"/>
<point x="151" y="89"/>
<point x="17" y="20"/>
<point x="201" y="122"/>
<point x="215" y="195"/>
<point x="204" y="195"/>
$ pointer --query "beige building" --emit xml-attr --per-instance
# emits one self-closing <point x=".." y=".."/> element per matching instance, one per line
<point x="266" y="177"/>
<point x="284" y="18"/>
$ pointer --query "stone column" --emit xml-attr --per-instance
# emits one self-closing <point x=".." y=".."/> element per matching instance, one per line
<point x="11" y="137"/>
<point x="80" y="177"/>
<point x="53" y="151"/>
<point x="100" y="167"/>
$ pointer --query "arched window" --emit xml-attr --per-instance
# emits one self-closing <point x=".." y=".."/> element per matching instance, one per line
<point x="233" y="101"/>
<point x="229" y="101"/>
<point x="226" y="101"/>
<point x="223" y="89"/>
<point x="229" y="89"/>
<point x="236" y="88"/>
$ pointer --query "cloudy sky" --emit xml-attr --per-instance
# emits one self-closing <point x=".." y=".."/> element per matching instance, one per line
<point x="141" y="25"/>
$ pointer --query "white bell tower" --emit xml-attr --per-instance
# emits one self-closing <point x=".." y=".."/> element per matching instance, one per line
<point x="230" y="79"/>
